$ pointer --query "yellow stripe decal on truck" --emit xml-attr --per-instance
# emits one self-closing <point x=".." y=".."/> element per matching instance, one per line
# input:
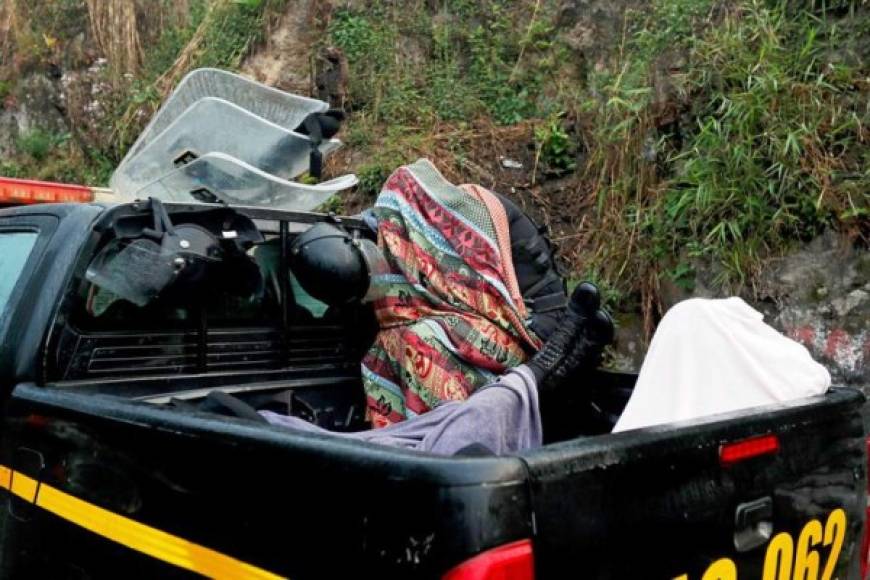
<point x="130" y="533"/>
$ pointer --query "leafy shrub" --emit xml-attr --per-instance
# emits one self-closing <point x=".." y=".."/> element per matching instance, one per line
<point x="5" y="89"/>
<point x="372" y="177"/>
<point x="556" y="149"/>
<point x="777" y="150"/>
<point x="11" y="169"/>
<point x="470" y="61"/>
<point x="774" y="150"/>
<point x="39" y="143"/>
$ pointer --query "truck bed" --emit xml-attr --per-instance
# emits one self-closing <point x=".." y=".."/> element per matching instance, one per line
<point x="651" y="503"/>
<point x="105" y="478"/>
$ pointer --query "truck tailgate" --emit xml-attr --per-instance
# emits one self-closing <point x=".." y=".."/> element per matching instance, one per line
<point x="685" y="502"/>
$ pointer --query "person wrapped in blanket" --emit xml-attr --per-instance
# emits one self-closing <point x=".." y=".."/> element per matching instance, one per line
<point x="474" y="324"/>
<point x="472" y="312"/>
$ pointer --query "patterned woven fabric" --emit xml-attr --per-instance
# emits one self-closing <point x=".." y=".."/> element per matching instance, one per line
<point x="503" y="239"/>
<point x="448" y="323"/>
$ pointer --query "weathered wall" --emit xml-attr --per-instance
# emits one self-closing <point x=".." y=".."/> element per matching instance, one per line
<point x="820" y="296"/>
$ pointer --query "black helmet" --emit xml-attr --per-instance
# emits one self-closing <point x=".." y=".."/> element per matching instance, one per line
<point x="334" y="266"/>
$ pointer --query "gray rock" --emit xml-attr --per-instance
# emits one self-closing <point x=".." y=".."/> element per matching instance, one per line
<point x="37" y="105"/>
<point x="845" y="305"/>
<point x="40" y="105"/>
<point x="8" y="133"/>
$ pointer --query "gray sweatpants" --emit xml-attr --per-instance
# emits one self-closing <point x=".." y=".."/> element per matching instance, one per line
<point x="503" y="416"/>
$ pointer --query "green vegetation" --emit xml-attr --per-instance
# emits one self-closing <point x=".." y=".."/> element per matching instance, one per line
<point x="555" y="149"/>
<point x="218" y="33"/>
<point x="410" y="66"/>
<point x="5" y="89"/>
<point x="11" y="169"/>
<point x="760" y="139"/>
<point x="712" y="132"/>
<point x="334" y="204"/>
<point x="775" y="150"/>
<point x="37" y="144"/>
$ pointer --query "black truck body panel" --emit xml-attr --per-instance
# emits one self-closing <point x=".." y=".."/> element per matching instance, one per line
<point x="298" y="506"/>
<point x="657" y="503"/>
<point x="651" y="503"/>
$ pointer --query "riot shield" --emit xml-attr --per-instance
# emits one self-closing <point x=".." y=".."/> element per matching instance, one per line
<point x="216" y="125"/>
<point x="217" y="177"/>
<point x="279" y="107"/>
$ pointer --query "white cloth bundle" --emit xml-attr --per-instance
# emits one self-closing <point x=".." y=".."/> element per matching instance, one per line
<point x="715" y="356"/>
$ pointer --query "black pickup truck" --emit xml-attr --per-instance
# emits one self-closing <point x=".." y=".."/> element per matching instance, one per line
<point x="113" y="464"/>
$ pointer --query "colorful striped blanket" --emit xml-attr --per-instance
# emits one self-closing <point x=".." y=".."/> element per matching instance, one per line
<point x="452" y="318"/>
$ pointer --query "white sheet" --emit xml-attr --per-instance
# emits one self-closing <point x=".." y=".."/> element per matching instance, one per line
<point x="715" y="356"/>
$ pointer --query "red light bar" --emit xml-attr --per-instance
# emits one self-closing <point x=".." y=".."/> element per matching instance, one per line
<point x="512" y="561"/>
<point x="732" y="453"/>
<point x="25" y="191"/>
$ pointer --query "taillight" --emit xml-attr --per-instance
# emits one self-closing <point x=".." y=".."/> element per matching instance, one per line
<point x="865" y="541"/>
<point x="512" y="561"/>
<point x="732" y="453"/>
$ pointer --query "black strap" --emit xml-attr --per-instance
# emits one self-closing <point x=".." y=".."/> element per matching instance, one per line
<point x="535" y="250"/>
<point x="314" y="129"/>
<point x="547" y="302"/>
<point x="162" y="223"/>
<point x="547" y="278"/>
<point x="319" y="127"/>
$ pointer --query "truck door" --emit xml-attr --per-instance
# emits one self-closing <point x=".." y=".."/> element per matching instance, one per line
<point x="772" y="494"/>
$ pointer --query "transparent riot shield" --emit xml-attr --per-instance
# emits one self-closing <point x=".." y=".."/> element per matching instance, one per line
<point x="216" y="125"/>
<point x="279" y="107"/>
<point x="217" y="177"/>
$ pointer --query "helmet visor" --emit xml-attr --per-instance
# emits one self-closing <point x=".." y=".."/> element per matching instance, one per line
<point x="137" y="272"/>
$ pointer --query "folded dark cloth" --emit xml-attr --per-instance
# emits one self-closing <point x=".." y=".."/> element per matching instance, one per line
<point x="502" y="417"/>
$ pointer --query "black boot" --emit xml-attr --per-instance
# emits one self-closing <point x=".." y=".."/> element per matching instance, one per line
<point x="552" y="363"/>
<point x="588" y="351"/>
